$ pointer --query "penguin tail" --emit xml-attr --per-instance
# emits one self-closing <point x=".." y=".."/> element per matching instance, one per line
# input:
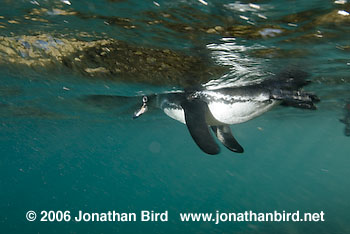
<point x="298" y="99"/>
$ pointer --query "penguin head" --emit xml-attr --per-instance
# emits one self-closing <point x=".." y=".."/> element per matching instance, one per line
<point x="143" y="108"/>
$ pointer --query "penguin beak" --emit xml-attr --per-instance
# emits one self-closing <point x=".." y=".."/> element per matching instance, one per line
<point x="142" y="110"/>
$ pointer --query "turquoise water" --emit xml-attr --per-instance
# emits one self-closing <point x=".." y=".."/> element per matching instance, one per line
<point x="61" y="150"/>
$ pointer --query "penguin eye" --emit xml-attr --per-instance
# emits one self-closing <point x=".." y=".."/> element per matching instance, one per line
<point x="144" y="99"/>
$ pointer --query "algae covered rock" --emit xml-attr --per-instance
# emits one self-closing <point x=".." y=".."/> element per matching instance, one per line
<point x="108" y="59"/>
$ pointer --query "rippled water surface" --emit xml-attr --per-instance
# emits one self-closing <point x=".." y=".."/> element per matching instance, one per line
<point x="63" y="149"/>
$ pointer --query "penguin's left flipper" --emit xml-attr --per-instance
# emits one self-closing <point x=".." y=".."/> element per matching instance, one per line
<point x="342" y="120"/>
<point x="195" y="111"/>
<point x="224" y="134"/>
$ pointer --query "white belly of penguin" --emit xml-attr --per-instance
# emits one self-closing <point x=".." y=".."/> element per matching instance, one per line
<point x="238" y="112"/>
<point x="232" y="113"/>
<point x="177" y="114"/>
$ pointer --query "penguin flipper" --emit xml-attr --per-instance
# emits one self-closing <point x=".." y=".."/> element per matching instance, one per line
<point x="342" y="120"/>
<point x="224" y="134"/>
<point x="196" y="123"/>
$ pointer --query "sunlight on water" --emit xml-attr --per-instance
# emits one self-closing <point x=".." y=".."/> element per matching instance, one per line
<point x="243" y="70"/>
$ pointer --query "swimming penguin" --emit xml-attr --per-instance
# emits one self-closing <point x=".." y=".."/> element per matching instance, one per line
<point x="202" y="109"/>
<point x="346" y="119"/>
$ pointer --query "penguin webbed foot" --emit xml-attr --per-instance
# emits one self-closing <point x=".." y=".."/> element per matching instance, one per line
<point x="300" y="104"/>
<point x="298" y="99"/>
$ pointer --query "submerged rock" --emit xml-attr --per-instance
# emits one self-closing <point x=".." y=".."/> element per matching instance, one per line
<point x="109" y="59"/>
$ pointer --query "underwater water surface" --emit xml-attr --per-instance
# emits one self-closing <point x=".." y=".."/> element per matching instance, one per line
<point x="63" y="149"/>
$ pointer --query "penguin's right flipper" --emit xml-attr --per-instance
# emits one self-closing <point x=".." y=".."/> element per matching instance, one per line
<point x="195" y="111"/>
<point x="224" y="134"/>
